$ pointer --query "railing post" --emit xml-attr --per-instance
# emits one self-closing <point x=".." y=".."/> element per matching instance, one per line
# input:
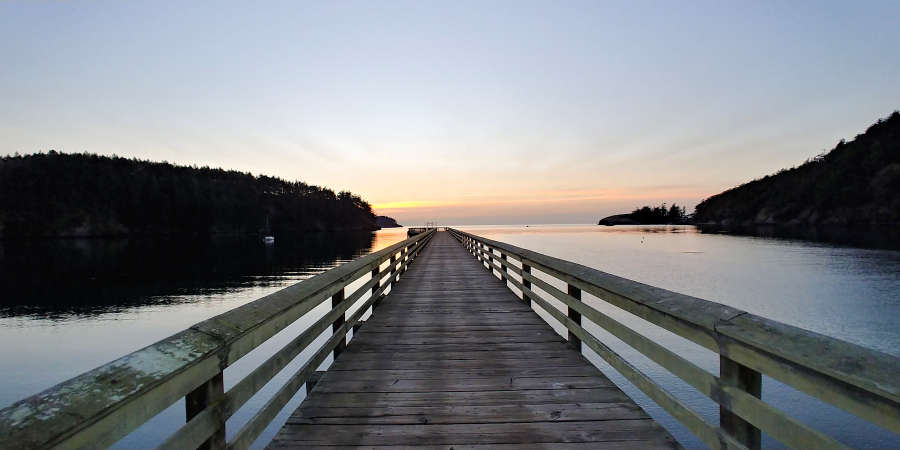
<point x="574" y="342"/>
<point x="196" y="401"/>
<point x="336" y="300"/>
<point x="746" y="379"/>
<point x="526" y="269"/>
<point x="503" y="267"/>
<point x="313" y="380"/>
<point x="490" y="266"/>
<point x="406" y="256"/>
<point x="393" y="274"/>
<point x="377" y="301"/>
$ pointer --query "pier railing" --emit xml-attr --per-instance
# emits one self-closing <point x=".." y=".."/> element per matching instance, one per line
<point x="99" y="407"/>
<point x="856" y="379"/>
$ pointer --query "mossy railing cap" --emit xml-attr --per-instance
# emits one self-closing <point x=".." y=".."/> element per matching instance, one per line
<point x="102" y="405"/>
<point x="862" y="381"/>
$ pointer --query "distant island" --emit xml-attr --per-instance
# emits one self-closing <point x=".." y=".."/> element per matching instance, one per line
<point x="85" y="195"/>
<point x="386" y="222"/>
<point x="647" y="215"/>
<point x="856" y="183"/>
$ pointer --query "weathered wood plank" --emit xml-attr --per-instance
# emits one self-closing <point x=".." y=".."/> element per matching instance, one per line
<point x="468" y="384"/>
<point x="454" y="372"/>
<point x="459" y="364"/>
<point x="472" y="433"/>
<point x="431" y="332"/>
<point x="530" y="397"/>
<point x="452" y="355"/>
<point x="450" y="347"/>
<point x="612" y="445"/>
<point x="456" y="338"/>
<point x="398" y="415"/>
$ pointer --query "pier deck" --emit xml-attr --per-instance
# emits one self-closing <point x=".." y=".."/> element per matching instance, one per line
<point x="453" y="358"/>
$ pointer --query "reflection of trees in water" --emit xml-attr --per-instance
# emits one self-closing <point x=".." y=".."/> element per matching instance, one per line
<point x="60" y="277"/>
<point x="869" y="236"/>
<point x="665" y="229"/>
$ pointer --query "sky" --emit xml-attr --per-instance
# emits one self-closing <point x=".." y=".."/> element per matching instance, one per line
<point x="487" y="112"/>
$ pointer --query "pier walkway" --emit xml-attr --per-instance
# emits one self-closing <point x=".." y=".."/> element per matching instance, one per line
<point x="453" y="358"/>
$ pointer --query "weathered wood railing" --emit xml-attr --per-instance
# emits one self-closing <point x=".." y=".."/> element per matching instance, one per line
<point x="99" y="407"/>
<point x="859" y="380"/>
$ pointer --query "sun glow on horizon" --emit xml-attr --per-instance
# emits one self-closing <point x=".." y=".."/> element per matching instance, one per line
<point x="540" y="202"/>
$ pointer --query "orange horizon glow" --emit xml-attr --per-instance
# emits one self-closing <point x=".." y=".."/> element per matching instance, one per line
<point x="596" y="201"/>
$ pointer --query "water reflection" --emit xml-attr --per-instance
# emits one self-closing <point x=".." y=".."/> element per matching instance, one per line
<point x="867" y="236"/>
<point x="59" y="278"/>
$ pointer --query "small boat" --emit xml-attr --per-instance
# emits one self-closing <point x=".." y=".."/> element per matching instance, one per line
<point x="268" y="238"/>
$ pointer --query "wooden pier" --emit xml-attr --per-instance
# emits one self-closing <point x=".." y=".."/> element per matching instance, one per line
<point x="453" y="355"/>
<point x="452" y="358"/>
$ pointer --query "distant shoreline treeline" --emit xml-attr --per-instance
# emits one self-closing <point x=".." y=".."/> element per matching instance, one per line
<point x="650" y="215"/>
<point x="86" y="195"/>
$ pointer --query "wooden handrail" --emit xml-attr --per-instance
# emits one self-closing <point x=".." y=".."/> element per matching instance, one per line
<point x="99" y="407"/>
<point x="862" y="381"/>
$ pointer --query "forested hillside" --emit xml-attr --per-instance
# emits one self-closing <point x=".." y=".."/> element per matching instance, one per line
<point x="57" y="194"/>
<point x="856" y="183"/>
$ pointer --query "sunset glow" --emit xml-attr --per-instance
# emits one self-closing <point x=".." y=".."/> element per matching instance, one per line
<point x="457" y="112"/>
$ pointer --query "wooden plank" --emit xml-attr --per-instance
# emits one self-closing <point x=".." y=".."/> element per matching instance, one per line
<point x="456" y="338"/>
<point x="614" y="445"/>
<point x="530" y="397"/>
<point x="456" y="384"/>
<point x="472" y="433"/>
<point x="580" y="370"/>
<point x="451" y="355"/>
<point x="397" y="415"/>
<point x="410" y="328"/>
<point x="462" y="364"/>
<point x="430" y="331"/>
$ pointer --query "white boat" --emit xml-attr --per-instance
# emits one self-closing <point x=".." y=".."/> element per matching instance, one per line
<point x="268" y="239"/>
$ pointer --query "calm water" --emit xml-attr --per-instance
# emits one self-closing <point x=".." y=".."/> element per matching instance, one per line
<point x="71" y="305"/>
<point x="848" y="293"/>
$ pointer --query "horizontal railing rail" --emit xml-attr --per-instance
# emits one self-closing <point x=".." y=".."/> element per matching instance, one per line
<point x="99" y="407"/>
<point x="859" y="380"/>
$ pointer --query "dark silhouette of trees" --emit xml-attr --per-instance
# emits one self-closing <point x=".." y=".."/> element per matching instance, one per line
<point x="56" y="194"/>
<point x="856" y="183"/>
<point x="386" y="222"/>
<point x="647" y="215"/>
